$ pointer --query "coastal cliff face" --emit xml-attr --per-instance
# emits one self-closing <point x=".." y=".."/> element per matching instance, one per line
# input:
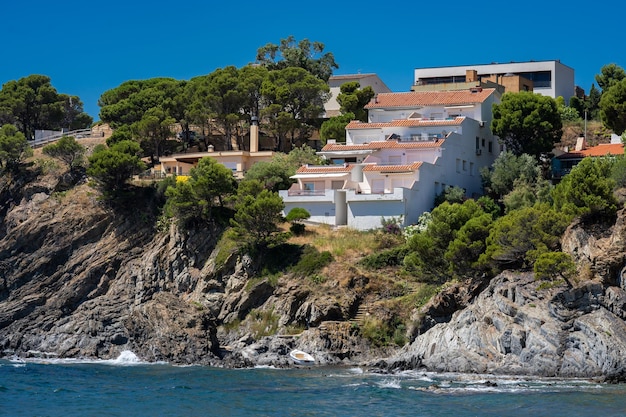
<point x="81" y="280"/>
<point x="516" y="326"/>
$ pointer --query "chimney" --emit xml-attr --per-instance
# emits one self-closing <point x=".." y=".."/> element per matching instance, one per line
<point x="254" y="134"/>
<point x="581" y="143"/>
<point x="471" y="76"/>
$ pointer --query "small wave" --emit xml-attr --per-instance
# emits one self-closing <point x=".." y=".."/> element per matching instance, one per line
<point x="126" y="358"/>
<point x="389" y="383"/>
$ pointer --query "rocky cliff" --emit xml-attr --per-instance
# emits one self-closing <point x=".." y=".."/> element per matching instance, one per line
<point x="517" y="326"/>
<point x="82" y="279"/>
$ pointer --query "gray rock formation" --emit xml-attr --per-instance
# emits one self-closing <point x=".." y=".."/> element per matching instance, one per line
<point x="516" y="326"/>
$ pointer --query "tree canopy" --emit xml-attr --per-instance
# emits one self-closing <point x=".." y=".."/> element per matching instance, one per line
<point x="303" y="54"/>
<point x="613" y="107"/>
<point x="527" y="123"/>
<point x="113" y="167"/>
<point x="67" y="150"/>
<point x="32" y="103"/>
<point x="13" y="148"/>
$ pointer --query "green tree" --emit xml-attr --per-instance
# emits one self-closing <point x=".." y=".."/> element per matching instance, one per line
<point x="517" y="239"/>
<point x="469" y="243"/>
<point x="295" y="98"/>
<point x="276" y="174"/>
<point x="112" y="167"/>
<point x="127" y="103"/>
<point x="14" y="148"/>
<point x="192" y="200"/>
<point x="592" y="102"/>
<point x="303" y="54"/>
<point x="296" y="216"/>
<point x="353" y="99"/>
<point x="613" y="107"/>
<point x="587" y="189"/>
<point x="257" y="218"/>
<point x="426" y="247"/>
<point x="335" y="128"/>
<point x="552" y="265"/>
<point x="527" y="123"/>
<point x="32" y="103"/>
<point x="67" y="150"/>
<point x="506" y="169"/>
<point x="154" y="128"/>
<point x="610" y="75"/>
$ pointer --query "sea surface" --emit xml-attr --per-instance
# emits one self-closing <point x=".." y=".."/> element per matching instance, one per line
<point x="128" y="387"/>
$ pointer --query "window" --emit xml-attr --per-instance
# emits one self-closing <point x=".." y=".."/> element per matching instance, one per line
<point x="483" y="142"/>
<point x="336" y="185"/>
<point x="309" y="186"/>
<point x="464" y="165"/>
<point x="477" y="141"/>
<point x="458" y="165"/>
<point x="490" y="146"/>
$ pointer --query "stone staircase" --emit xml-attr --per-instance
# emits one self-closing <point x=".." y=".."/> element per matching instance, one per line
<point x="361" y="315"/>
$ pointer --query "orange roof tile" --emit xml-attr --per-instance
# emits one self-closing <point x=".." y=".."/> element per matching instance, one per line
<point x="429" y="98"/>
<point x="355" y="124"/>
<point x="392" y="168"/>
<point x="388" y="144"/>
<point x="599" y="150"/>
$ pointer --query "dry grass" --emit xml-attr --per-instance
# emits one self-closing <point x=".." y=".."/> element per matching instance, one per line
<point x="344" y="244"/>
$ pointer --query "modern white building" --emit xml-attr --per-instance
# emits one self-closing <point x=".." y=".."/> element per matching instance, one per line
<point x="412" y="148"/>
<point x="549" y="78"/>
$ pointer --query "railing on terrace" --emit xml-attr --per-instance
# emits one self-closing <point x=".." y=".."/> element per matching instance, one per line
<point x="77" y="134"/>
<point x="307" y="193"/>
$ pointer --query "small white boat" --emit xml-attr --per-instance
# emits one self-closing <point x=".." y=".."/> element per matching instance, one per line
<point x="301" y="358"/>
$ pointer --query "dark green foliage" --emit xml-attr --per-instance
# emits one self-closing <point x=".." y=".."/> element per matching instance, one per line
<point x="517" y="239"/>
<point x="451" y="195"/>
<point x="257" y="218"/>
<point x="311" y="262"/>
<point x="335" y="127"/>
<point x="67" y="150"/>
<point x="613" y="107"/>
<point x="192" y="201"/>
<point x="618" y="172"/>
<point x="554" y="265"/>
<point x="353" y="99"/>
<point x="610" y="75"/>
<point x="469" y="243"/>
<point x="427" y="248"/>
<point x="304" y="54"/>
<point x="527" y="123"/>
<point x="295" y="216"/>
<point x="587" y="189"/>
<point x="112" y="168"/>
<point x="32" y="103"/>
<point x="389" y="257"/>
<point x="506" y="169"/>
<point x="13" y="148"/>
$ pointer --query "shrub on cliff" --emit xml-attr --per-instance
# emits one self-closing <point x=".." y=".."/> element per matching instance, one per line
<point x="112" y="167"/>
<point x="14" y="148"/>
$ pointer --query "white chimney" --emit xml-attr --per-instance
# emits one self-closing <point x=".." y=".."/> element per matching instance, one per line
<point x="254" y="134"/>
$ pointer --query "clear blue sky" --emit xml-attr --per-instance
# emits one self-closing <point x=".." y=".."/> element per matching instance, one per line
<point x="89" y="47"/>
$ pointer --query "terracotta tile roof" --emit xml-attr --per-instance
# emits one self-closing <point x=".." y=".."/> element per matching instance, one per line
<point x="325" y="169"/>
<point x="392" y="168"/>
<point x="355" y="124"/>
<point x="388" y="144"/>
<point x="600" y="150"/>
<point x="429" y="98"/>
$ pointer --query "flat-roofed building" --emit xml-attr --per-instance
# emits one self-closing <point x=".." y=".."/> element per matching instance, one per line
<point x="549" y="78"/>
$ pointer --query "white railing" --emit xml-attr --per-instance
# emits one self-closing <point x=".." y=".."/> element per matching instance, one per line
<point x="77" y="134"/>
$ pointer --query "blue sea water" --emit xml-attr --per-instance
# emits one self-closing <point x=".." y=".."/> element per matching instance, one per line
<point x="131" y="388"/>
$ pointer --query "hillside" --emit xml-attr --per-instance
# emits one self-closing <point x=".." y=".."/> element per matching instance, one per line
<point x="82" y="279"/>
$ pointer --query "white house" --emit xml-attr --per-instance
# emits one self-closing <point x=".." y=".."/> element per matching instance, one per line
<point x="549" y="78"/>
<point x="413" y="146"/>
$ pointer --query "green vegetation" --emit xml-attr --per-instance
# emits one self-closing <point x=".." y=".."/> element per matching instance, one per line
<point x="527" y="123"/>
<point x="68" y="151"/>
<point x="112" y="167"/>
<point x="311" y="262"/>
<point x="295" y="216"/>
<point x="14" y="148"/>
<point x="32" y="103"/>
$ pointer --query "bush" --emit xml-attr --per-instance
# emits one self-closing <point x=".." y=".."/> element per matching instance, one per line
<point x="390" y="257"/>
<point x="311" y="262"/>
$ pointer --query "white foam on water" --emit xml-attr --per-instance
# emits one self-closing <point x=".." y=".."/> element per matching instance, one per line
<point x="125" y="358"/>
<point x="389" y="383"/>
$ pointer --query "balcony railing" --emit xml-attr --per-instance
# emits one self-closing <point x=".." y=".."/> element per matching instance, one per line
<point x="308" y="193"/>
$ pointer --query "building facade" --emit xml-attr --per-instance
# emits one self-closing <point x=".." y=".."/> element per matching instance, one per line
<point x="549" y="78"/>
<point x="412" y="148"/>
